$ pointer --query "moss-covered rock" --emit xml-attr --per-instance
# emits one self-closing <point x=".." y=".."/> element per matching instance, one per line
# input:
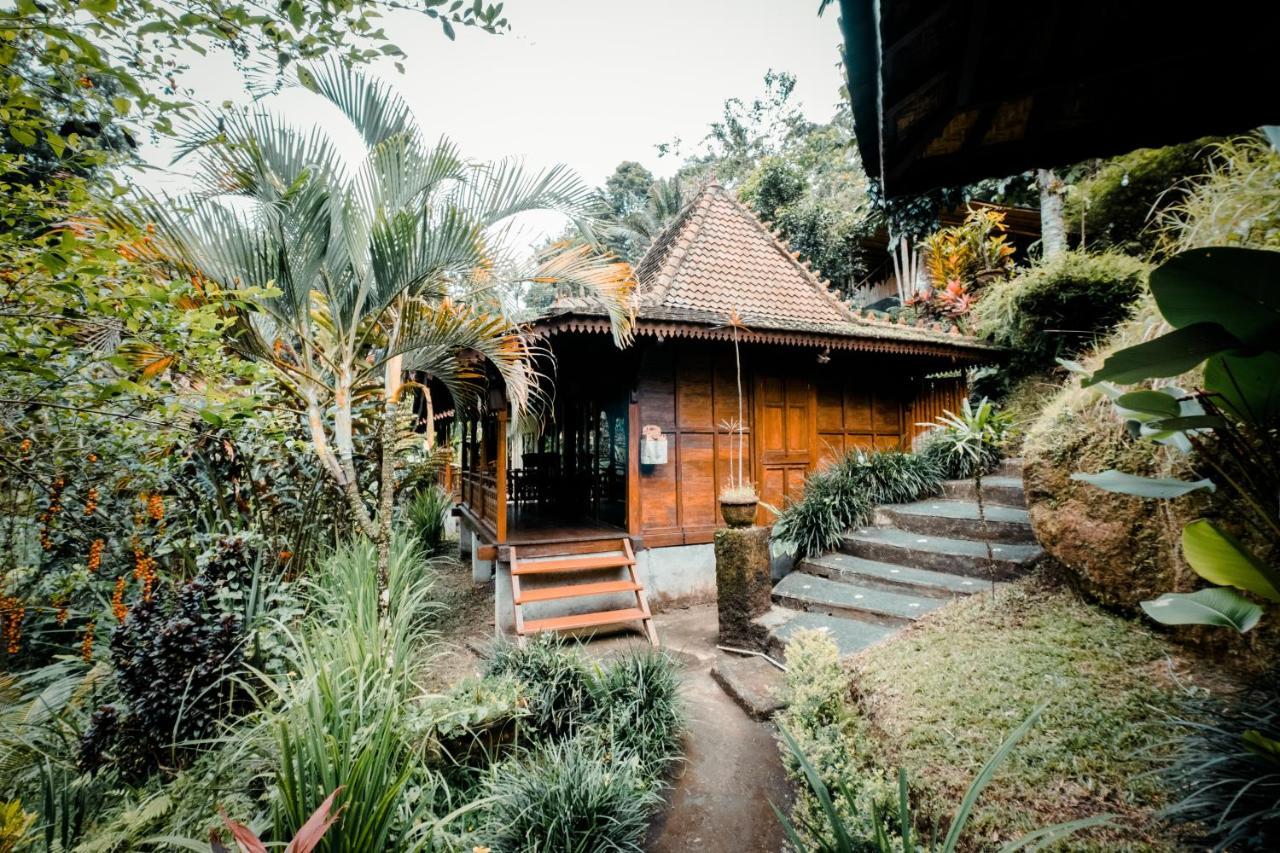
<point x="1120" y="549"/>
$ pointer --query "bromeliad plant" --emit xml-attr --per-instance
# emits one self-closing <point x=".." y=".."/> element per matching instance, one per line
<point x="1223" y="305"/>
<point x="394" y="265"/>
<point x="968" y="445"/>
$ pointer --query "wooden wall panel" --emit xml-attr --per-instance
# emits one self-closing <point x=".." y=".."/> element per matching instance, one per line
<point x="698" y="488"/>
<point x="934" y="398"/>
<point x="694" y="401"/>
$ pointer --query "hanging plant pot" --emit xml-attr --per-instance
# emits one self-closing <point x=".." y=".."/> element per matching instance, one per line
<point x="739" y="510"/>
<point x="989" y="275"/>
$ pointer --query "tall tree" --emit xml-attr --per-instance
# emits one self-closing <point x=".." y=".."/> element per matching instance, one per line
<point x="396" y="265"/>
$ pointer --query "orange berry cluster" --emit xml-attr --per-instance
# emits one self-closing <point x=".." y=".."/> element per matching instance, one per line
<point x="86" y="645"/>
<point x="118" y="607"/>
<point x="25" y="446"/>
<point x="95" y="555"/>
<point x="155" y="507"/>
<point x="12" y="612"/>
<point x="91" y="501"/>
<point x="144" y="569"/>
<point x="62" y="609"/>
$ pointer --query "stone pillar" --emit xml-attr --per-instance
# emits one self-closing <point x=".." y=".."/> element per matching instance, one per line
<point x="743" y="584"/>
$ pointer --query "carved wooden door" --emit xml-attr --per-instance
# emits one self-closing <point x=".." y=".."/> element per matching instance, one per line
<point x="784" y="426"/>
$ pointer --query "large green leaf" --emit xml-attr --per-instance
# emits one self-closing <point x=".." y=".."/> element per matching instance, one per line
<point x="1248" y="386"/>
<point x="1150" y="403"/>
<point x="1218" y="606"/>
<point x="1238" y="289"/>
<point x="1168" y="355"/>
<point x="1219" y="558"/>
<point x="1143" y="487"/>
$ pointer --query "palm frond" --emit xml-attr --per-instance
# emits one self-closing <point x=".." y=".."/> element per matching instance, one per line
<point x="583" y="268"/>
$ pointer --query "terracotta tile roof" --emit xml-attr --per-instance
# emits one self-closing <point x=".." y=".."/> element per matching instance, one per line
<point x="716" y="258"/>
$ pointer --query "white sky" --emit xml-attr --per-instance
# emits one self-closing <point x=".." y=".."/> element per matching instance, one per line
<point x="584" y="82"/>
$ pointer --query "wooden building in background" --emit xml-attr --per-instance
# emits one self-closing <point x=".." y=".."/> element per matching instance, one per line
<point x="635" y="443"/>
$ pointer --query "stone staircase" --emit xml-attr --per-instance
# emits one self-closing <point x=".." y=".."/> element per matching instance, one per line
<point x="915" y="559"/>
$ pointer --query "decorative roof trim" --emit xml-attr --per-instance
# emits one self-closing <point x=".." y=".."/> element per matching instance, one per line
<point x="570" y="324"/>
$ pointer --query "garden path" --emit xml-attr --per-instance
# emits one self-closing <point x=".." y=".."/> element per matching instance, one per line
<point x="720" y="796"/>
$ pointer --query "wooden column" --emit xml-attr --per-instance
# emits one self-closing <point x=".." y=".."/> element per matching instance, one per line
<point x="633" y="464"/>
<point x="500" y="470"/>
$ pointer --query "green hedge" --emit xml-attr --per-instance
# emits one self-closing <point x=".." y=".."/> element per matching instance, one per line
<point x="1058" y="308"/>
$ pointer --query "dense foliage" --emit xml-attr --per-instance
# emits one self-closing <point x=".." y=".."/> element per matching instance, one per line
<point x="1116" y="205"/>
<point x="1057" y="308"/>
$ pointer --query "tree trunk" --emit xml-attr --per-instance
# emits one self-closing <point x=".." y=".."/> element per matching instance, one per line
<point x="1053" y="227"/>
<point x="386" y="504"/>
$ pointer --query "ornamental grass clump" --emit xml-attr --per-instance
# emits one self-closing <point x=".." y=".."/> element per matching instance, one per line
<point x="637" y="712"/>
<point x="570" y="797"/>
<point x="845" y="495"/>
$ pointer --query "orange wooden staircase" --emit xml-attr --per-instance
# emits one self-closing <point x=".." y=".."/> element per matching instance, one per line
<point x="579" y="563"/>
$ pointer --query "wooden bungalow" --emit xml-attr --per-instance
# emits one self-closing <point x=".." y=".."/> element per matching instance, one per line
<point x="623" y="469"/>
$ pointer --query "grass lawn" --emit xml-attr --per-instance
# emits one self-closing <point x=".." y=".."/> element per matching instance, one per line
<point x="940" y="698"/>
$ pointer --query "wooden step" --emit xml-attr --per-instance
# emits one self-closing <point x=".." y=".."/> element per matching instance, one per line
<point x="571" y="564"/>
<point x="552" y="593"/>
<point x="584" y="620"/>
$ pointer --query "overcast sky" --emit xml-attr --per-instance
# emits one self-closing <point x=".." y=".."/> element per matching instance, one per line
<point x="584" y="82"/>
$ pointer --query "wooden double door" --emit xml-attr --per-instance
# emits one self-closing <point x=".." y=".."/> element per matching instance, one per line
<point x="784" y="419"/>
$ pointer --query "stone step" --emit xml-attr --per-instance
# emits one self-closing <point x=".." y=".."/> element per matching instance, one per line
<point x="803" y="591"/>
<point x="1008" y="468"/>
<point x="842" y="567"/>
<point x="850" y="635"/>
<point x="752" y="682"/>
<point x="1006" y="491"/>
<point x="938" y="553"/>
<point x="959" y="520"/>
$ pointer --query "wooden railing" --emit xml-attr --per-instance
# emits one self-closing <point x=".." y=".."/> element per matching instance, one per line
<point x="479" y="494"/>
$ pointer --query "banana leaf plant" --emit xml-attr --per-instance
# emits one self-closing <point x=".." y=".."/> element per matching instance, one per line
<point x="1223" y="307"/>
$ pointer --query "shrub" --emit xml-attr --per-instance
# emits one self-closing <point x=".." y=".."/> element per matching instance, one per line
<point x="426" y="514"/>
<point x="846" y="494"/>
<point x="826" y="730"/>
<point x="571" y="798"/>
<point x="1225" y="771"/>
<point x="1116" y="205"/>
<point x="637" y="711"/>
<point x="174" y="656"/>
<point x="558" y="682"/>
<point x="1058" y="308"/>
<point x="1236" y="203"/>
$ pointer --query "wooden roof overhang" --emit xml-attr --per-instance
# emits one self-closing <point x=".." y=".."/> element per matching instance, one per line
<point x="945" y="92"/>
<point x="963" y="352"/>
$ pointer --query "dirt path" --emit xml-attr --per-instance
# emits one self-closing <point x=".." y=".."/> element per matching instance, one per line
<point x="719" y="802"/>
<point x="720" y="794"/>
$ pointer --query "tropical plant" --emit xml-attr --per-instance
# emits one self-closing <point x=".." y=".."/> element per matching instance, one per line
<point x="307" y="838"/>
<point x="394" y="266"/>
<point x="960" y="260"/>
<point x="968" y="445"/>
<point x="426" y="512"/>
<point x="738" y="488"/>
<point x="845" y="494"/>
<point x="343" y="717"/>
<point x="835" y="835"/>
<point x="1225" y="314"/>
<point x="1225" y="773"/>
<point x="570" y="797"/>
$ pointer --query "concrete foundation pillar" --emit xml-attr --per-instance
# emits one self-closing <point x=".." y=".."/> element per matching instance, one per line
<point x="743" y="584"/>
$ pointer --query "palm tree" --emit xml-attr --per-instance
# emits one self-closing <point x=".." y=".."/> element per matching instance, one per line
<point x="355" y="275"/>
